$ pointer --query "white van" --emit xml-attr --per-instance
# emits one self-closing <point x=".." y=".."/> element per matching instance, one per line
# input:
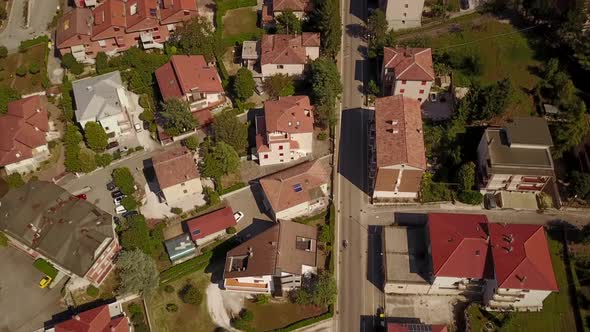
<point x="120" y="209"/>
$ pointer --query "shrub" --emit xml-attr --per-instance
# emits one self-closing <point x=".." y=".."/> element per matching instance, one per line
<point x="3" y="52"/>
<point x="68" y="61"/>
<point x="169" y="289"/>
<point x="21" y="71"/>
<point x="139" y="148"/>
<point x="77" y="68"/>
<point x="470" y="197"/>
<point x="129" y="203"/>
<point x="137" y="317"/>
<point x="3" y="240"/>
<point x="45" y="267"/>
<point x="231" y="230"/>
<point x="322" y="136"/>
<point x="15" y="180"/>
<point x="247" y="315"/>
<point x="176" y="210"/>
<point x="34" y="68"/>
<point x="134" y="308"/>
<point x="261" y="299"/>
<point x="141" y="327"/>
<point x="171" y="307"/>
<point x="92" y="291"/>
<point x="25" y="44"/>
<point x="117" y="155"/>
<point x="191" y="143"/>
<point x="211" y="196"/>
<point x="124" y="180"/>
<point x="191" y="295"/>
<point x="103" y="159"/>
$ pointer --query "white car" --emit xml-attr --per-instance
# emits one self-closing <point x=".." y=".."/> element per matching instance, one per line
<point x="118" y="200"/>
<point x="120" y="209"/>
<point x="238" y="216"/>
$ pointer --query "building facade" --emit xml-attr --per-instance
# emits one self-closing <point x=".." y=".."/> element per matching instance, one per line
<point x="408" y="72"/>
<point x="288" y="54"/>
<point x="402" y="14"/>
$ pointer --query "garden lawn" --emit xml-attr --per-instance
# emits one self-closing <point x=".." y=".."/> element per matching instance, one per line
<point x="507" y="56"/>
<point x="282" y="314"/>
<point x="238" y="21"/>
<point x="28" y="83"/>
<point x="557" y="314"/>
<point x="188" y="317"/>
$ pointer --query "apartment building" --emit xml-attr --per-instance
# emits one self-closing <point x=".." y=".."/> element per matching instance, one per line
<point x="397" y="159"/>
<point x="285" y="132"/>
<point x="516" y="157"/>
<point x="407" y="71"/>
<point x="274" y="261"/>
<point x="288" y="54"/>
<point x="113" y="26"/>
<point x="402" y="14"/>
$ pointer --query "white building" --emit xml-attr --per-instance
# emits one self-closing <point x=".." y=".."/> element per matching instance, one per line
<point x="402" y="14"/>
<point x="177" y="175"/>
<point x="407" y="71"/>
<point x="285" y="132"/>
<point x="288" y="54"/>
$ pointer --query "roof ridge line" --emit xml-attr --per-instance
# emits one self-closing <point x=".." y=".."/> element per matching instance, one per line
<point x="423" y="69"/>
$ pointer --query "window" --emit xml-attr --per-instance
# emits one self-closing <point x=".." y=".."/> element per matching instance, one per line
<point x="403" y="22"/>
<point x="419" y="99"/>
<point x="106" y="128"/>
<point x="402" y="90"/>
<point x="421" y="91"/>
<point x="423" y="82"/>
<point x="281" y="154"/>
<point x="185" y="191"/>
<point x="280" y="147"/>
<point x="117" y="28"/>
<point x="404" y="81"/>
<point x="280" y="66"/>
<point x="183" y="184"/>
<point x="186" y="13"/>
<point x="406" y="6"/>
<point x="405" y="14"/>
<point x="265" y="156"/>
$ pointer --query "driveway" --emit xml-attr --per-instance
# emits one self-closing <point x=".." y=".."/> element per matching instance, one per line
<point x="25" y="306"/>
<point x="42" y="12"/>
<point x="248" y="200"/>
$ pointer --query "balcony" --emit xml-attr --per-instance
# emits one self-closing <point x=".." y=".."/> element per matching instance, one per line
<point x="147" y="41"/>
<point x="533" y="179"/>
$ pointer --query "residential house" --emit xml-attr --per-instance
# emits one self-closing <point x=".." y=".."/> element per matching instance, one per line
<point x="300" y="8"/>
<point x="516" y="157"/>
<point x="45" y="221"/>
<point x="398" y="157"/>
<point x="210" y="226"/>
<point x="415" y="327"/>
<point x="24" y="132"/>
<point x="177" y="174"/>
<point x="402" y="14"/>
<point x="105" y="100"/>
<point x="180" y="248"/>
<point x="297" y="191"/>
<point x="191" y="78"/>
<point x="107" y="317"/>
<point x="288" y="54"/>
<point x="407" y="71"/>
<point x="274" y="261"/>
<point x="114" y="26"/>
<point x="285" y="132"/>
<point x="509" y="264"/>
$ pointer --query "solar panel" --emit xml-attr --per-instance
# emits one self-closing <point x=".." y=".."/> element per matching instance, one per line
<point x="297" y="188"/>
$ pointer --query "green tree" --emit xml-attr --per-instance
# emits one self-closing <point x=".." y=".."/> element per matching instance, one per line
<point x="177" y="117"/>
<point x="3" y="240"/>
<point x="228" y="128"/>
<point x="34" y="68"/>
<point x="15" y="180"/>
<point x="96" y="137"/>
<point x="470" y="197"/>
<point x="3" y="52"/>
<point x="243" y="84"/>
<point x="72" y="162"/>
<point x="129" y="203"/>
<point x="137" y="272"/>
<point x="579" y="185"/>
<point x="288" y="23"/>
<point x="572" y="130"/>
<point x="137" y="235"/>
<point x="485" y="103"/>
<point x="325" y="89"/>
<point x="77" y="68"/>
<point x="218" y="159"/>
<point x="68" y="61"/>
<point x="319" y="291"/>
<point x="72" y="135"/>
<point x="102" y="62"/>
<point x="124" y="180"/>
<point x="466" y="176"/>
<point x="211" y="196"/>
<point x="103" y="159"/>
<point x="196" y="37"/>
<point x="87" y="160"/>
<point x="278" y="85"/>
<point x="191" y="143"/>
<point x="191" y="295"/>
<point x="377" y="28"/>
<point x="7" y="95"/>
<point x="326" y="19"/>
<point x="21" y="71"/>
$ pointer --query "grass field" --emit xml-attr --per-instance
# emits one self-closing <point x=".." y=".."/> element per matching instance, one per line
<point x="188" y="317"/>
<point x="557" y="314"/>
<point x="30" y="82"/>
<point x="239" y="21"/>
<point x="282" y="314"/>
<point x="504" y="53"/>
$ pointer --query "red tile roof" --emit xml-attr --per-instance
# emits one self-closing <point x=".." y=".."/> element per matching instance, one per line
<point x="77" y="22"/>
<point x="293" y="5"/>
<point x="185" y="73"/>
<point x="279" y="187"/>
<point x="145" y="17"/>
<point x="412" y="327"/>
<point x="399" y="138"/>
<point x="292" y="114"/>
<point x="94" y="320"/>
<point x="521" y="257"/>
<point x="459" y="245"/>
<point x="108" y="16"/>
<point x="173" y="11"/>
<point x="412" y="64"/>
<point x="174" y="166"/>
<point x="22" y="129"/>
<point x="211" y="223"/>
<point x="287" y="49"/>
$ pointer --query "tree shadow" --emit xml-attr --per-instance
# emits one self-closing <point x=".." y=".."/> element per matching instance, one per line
<point x="150" y="176"/>
<point x="375" y="256"/>
<point x="356" y="30"/>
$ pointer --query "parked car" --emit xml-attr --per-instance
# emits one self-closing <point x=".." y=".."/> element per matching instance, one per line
<point x="116" y="194"/>
<point x="117" y="220"/>
<point x="138" y="127"/>
<point x="45" y="281"/>
<point x="146" y="125"/>
<point x="120" y="209"/>
<point x="433" y="97"/>
<point x="118" y="200"/>
<point x="81" y="196"/>
<point x="464" y="4"/>
<point x="111" y="186"/>
<point x="112" y="145"/>
<point x="489" y="201"/>
<point x="130" y="214"/>
<point x="238" y="216"/>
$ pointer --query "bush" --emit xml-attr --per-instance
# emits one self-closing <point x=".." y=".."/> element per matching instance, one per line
<point x="141" y="327"/>
<point x="77" y="68"/>
<point x="137" y="318"/>
<point x="34" y="68"/>
<point x="3" y="52"/>
<point x="191" y="295"/>
<point x="68" y="61"/>
<point x="129" y="203"/>
<point x="3" y="240"/>
<point x="103" y="159"/>
<point x="45" y="267"/>
<point x="176" y="210"/>
<point x="15" y="180"/>
<point x="124" y="180"/>
<point x="21" y="71"/>
<point x="117" y="155"/>
<point x="470" y="197"/>
<point x="92" y="291"/>
<point x="211" y="196"/>
<point x="187" y="267"/>
<point x="247" y="315"/>
<point x="169" y="289"/>
<point x="261" y="299"/>
<point x="231" y="230"/>
<point x="231" y="188"/>
<point x="171" y="307"/>
<point x="322" y="136"/>
<point x="191" y="143"/>
<point x="134" y="308"/>
<point x="25" y="44"/>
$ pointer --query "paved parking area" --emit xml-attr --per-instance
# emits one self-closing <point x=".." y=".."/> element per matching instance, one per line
<point x="428" y="309"/>
<point x="23" y="305"/>
<point x="248" y="200"/>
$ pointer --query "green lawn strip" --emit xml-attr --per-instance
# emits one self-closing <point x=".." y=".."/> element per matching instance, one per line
<point x="306" y="220"/>
<point x="45" y="267"/>
<point x="231" y="188"/>
<point x="239" y="21"/>
<point x="25" y="44"/>
<point x="305" y="322"/>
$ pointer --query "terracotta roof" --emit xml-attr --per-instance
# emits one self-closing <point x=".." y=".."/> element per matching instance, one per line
<point x="292" y="114"/>
<point x="459" y="245"/>
<point x="415" y="327"/>
<point x="174" y="166"/>
<point x="210" y="223"/>
<point x="72" y="24"/>
<point x="293" y="5"/>
<point x="399" y="138"/>
<point x="286" y="49"/>
<point x="273" y="251"/>
<point x="412" y="64"/>
<point x="22" y="129"/>
<point x="94" y="320"/>
<point x="145" y="16"/>
<point x="172" y="7"/>
<point x="107" y="16"/>
<point x="185" y="73"/>
<point x="521" y="257"/>
<point x="280" y="190"/>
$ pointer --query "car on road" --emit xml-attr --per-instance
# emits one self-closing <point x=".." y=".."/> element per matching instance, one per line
<point x="381" y="317"/>
<point x="82" y="196"/>
<point x="238" y="216"/>
<point x="45" y="281"/>
<point x="111" y="186"/>
<point x="130" y="214"/>
<point x="116" y="194"/>
<point x="120" y="209"/>
<point x="489" y="201"/>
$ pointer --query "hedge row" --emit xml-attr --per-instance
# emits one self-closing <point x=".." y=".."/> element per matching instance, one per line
<point x="178" y="271"/>
<point x="25" y="44"/>
<point x="231" y="188"/>
<point x="306" y="322"/>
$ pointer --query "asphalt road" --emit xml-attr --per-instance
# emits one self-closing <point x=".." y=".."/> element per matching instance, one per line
<point x="42" y="12"/>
